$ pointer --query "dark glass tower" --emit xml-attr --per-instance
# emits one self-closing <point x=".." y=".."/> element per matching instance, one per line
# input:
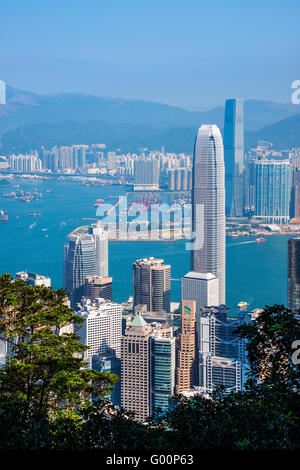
<point x="234" y="157"/>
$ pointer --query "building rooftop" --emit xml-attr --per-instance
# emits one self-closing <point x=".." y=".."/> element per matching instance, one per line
<point x="203" y="276"/>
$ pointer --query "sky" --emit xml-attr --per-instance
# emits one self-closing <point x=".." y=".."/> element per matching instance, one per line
<point x="188" y="53"/>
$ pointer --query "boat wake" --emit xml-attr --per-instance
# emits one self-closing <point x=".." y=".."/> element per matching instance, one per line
<point x="241" y="243"/>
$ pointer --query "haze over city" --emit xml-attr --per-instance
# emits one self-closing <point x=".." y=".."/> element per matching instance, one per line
<point x="190" y="54"/>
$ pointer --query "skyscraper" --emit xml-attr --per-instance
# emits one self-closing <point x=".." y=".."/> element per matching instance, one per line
<point x="146" y="174"/>
<point x="136" y="368"/>
<point x="208" y="193"/>
<point x="221" y="353"/>
<point x="85" y="255"/>
<point x="79" y="262"/>
<point x="272" y="190"/>
<point x="186" y="365"/>
<point x="234" y="157"/>
<point x="163" y="368"/>
<point x="98" y="286"/>
<point x="201" y="287"/>
<point x="101" y="246"/>
<point x="102" y="326"/>
<point x="152" y="284"/>
<point x="294" y="274"/>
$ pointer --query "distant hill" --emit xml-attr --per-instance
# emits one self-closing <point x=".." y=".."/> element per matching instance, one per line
<point x="284" y="134"/>
<point x="29" y="120"/>
<point x="25" y="107"/>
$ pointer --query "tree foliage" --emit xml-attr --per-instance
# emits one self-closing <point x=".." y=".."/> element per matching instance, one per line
<point x="45" y="389"/>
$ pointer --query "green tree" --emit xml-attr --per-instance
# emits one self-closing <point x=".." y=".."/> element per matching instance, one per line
<point x="269" y="346"/>
<point x="44" y="374"/>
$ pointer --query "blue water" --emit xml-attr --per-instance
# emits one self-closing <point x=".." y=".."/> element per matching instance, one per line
<point x="256" y="272"/>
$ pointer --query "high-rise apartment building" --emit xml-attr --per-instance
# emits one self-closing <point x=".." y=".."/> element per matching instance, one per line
<point x="296" y="195"/>
<point x="294" y="274"/>
<point x="272" y="190"/>
<point x="102" y="326"/>
<point x="146" y="174"/>
<point x="234" y="157"/>
<point x="186" y="360"/>
<point x="152" y="284"/>
<point x="85" y="255"/>
<point x="208" y="206"/>
<point x="25" y="162"/>
<point x="136" y="392"/>
<point x="98" y="286"/>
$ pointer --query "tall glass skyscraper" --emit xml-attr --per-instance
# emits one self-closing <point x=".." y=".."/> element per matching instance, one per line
<point x="234" y="157"/>
<point x="208" y="205"/>
<point x="85" y="255"/>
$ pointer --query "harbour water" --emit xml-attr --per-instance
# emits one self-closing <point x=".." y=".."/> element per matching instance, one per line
<point x="256" y="272"/>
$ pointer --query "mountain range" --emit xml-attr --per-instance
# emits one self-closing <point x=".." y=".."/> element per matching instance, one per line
<point x="30" y="120"/>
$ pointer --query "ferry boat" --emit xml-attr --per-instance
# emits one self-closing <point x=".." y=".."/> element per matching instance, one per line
<point x="260" y="240"/>
<point x="3" y="216"/>
<point x="242" y="304"/>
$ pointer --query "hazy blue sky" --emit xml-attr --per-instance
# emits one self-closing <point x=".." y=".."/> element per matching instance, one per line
<point x="191" y="53"/>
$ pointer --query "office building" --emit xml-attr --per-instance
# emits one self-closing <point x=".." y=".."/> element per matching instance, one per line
<point x="136" y="392"/>
<point x="201" y="287"/>
<point x="163" y="355"/>
<point x="33" y="279"/>
<point x="208" y="206"/>
<point x="108" y="362"/>
<point x="79" y="262"/>
<point x="272" y="191"/>
<point x="85" y="255"/>
<point x="294" y="274"/>
<point x="101" y="246"/>
<point x="186" y="360"/>
<point x="98" y="286"/>
<point x="234" y="157"/>
<point x="221" y="353"/>
<point x="102" y="326"/>
<point x="221" y="372"/>
<point x="152" y="284"/>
